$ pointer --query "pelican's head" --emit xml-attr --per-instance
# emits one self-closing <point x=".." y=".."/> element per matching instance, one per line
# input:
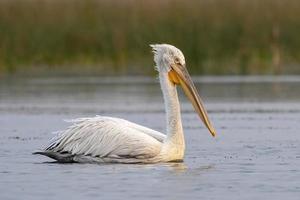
<point x="171" y="60"/>
<point x="165" y="56"/>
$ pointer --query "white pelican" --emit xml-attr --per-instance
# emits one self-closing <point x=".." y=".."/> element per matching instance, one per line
<point x="105" y="139"/>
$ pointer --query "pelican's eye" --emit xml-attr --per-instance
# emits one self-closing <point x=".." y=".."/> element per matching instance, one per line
<point x="177" y="60"/>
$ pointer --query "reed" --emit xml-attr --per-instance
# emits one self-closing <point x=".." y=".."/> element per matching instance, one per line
<point x="111" y="37"/>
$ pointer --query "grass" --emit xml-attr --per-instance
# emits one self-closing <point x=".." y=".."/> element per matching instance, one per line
<point x="111" y="37"/>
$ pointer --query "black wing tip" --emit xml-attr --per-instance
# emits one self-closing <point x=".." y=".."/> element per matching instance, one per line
<point x="60" y="157"/>
<point x="38" y="153"/>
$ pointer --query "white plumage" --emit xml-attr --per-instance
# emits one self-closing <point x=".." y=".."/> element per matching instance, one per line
<point x="106" y="139"/>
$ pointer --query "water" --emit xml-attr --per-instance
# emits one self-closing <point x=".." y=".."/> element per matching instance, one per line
<point x="255" y="155"/>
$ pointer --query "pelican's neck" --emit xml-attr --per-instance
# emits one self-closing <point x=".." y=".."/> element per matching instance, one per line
<point x="175" y="135"/>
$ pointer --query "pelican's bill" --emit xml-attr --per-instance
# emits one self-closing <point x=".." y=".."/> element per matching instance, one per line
<point x="179" y="75"/>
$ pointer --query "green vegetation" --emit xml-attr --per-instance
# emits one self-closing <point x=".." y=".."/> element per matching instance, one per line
<point x="112" y="37"/>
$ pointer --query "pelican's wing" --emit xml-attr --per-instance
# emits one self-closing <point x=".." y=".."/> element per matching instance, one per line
<point x="107" y="137"/>
<point x="157" y="135"/>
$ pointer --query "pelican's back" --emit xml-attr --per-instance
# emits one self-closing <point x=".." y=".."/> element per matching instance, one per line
<point x="104" y="138"/>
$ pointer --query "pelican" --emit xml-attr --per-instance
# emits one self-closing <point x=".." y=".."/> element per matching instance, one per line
<point x="112" y="140"/>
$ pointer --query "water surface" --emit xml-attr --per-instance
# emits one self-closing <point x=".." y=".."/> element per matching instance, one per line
<point x="255" y="155"/>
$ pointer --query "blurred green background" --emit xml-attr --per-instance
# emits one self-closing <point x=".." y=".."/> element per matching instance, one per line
<point x="112" y="37"/>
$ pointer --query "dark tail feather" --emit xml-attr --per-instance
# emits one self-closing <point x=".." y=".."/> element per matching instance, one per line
<point x="60" y="157"/>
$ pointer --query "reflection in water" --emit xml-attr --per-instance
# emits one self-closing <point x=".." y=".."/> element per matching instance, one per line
<point x="183" y="168"/>
<point x="178" y="167"/>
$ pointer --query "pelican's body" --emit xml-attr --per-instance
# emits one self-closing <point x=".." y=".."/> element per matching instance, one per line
<point x="106" y="139"/>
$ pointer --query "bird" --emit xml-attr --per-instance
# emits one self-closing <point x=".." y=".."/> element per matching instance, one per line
<point x="102" y="139"/>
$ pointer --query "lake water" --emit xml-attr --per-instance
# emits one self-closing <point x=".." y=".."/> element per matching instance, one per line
<point x="256" y="153"/>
